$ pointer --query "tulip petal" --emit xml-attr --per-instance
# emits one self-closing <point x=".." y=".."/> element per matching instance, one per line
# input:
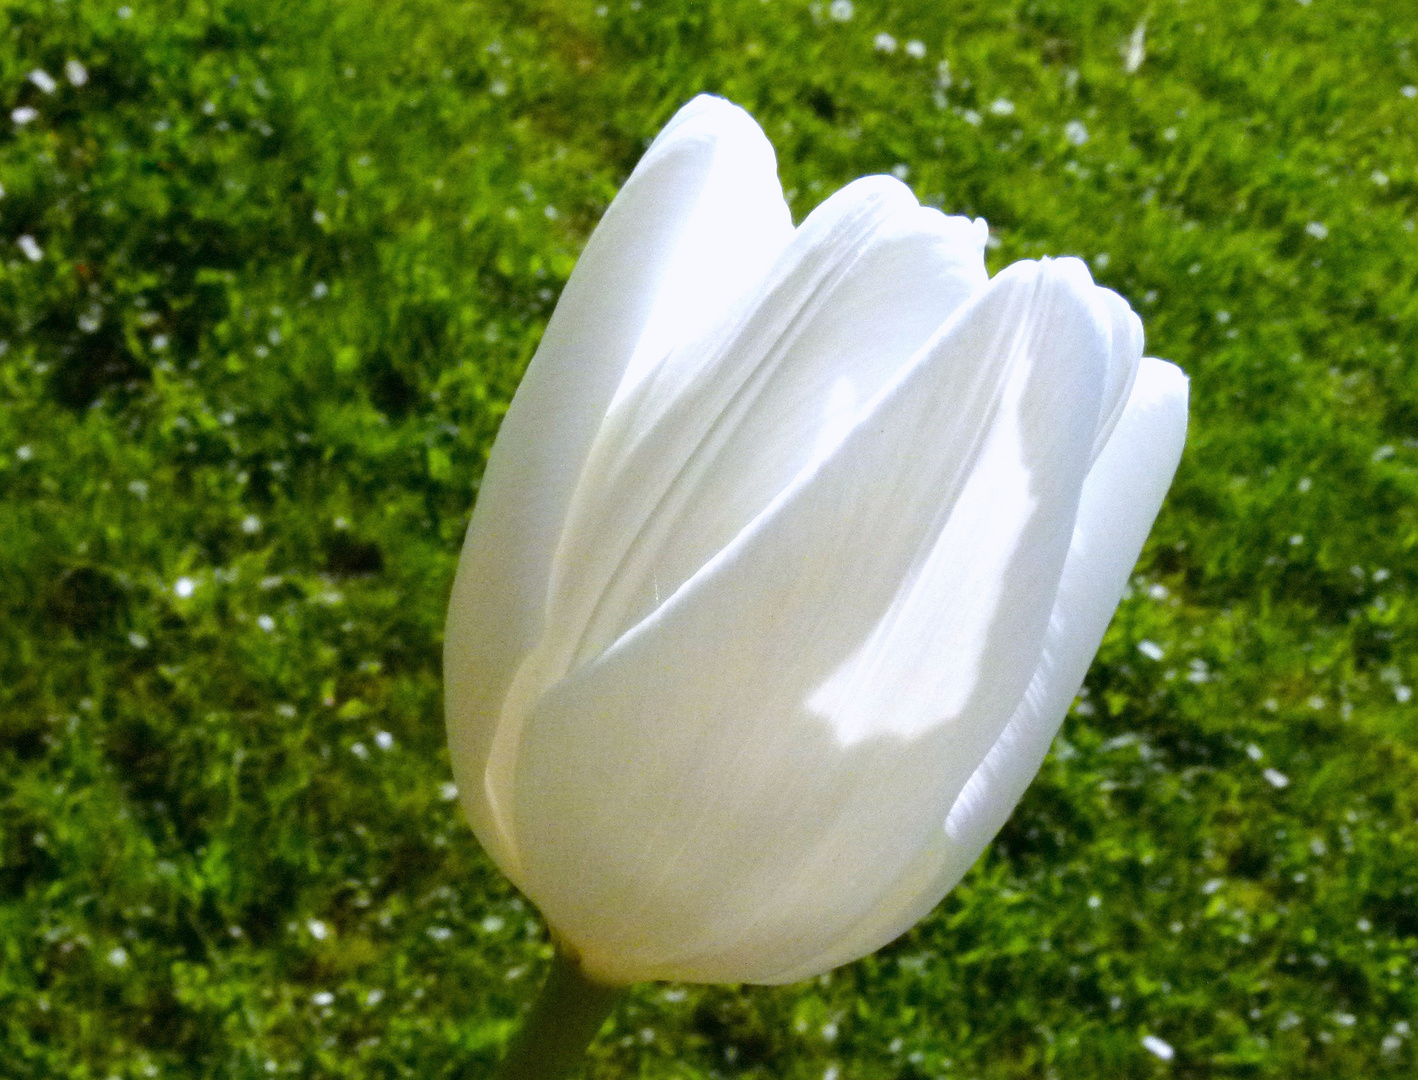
<point x="807" y="707"/>
<point x="1122" y="364"/>
<point x="700" y="220"/>
<point x="694" y="453"/>
<point x="1120" y="499"/>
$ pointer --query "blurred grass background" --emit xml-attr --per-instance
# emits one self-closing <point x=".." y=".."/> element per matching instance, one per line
<point x="269" y="272"/>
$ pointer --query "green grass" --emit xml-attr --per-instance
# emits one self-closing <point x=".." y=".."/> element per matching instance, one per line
<point x="293" y="258"/>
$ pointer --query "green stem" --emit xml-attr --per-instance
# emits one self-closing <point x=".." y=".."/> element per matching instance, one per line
<point x="566" y="1017"/>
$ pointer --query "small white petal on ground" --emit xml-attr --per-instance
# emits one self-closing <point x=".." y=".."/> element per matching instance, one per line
<point x="1159" y="1047"/>
<point x="1134" y="53"/>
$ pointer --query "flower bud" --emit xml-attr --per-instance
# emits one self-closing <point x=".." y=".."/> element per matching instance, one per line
<point x="792" y="550"/>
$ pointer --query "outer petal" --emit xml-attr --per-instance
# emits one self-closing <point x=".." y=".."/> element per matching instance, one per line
<point x="700" y="219"/>
<point x="1120" y="499"/>
<point x="730" y="787"/>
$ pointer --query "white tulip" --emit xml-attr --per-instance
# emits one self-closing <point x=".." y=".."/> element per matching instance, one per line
<point x="793" y="549"/>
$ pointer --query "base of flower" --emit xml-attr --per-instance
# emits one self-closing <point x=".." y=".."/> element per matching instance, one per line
<point x="569" y="1011"/>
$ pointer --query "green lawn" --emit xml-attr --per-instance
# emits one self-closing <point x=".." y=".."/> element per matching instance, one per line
<point x="285" y="262"/>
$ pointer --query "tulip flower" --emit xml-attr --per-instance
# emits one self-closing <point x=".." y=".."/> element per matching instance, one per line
<point x="791" y="553"/>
